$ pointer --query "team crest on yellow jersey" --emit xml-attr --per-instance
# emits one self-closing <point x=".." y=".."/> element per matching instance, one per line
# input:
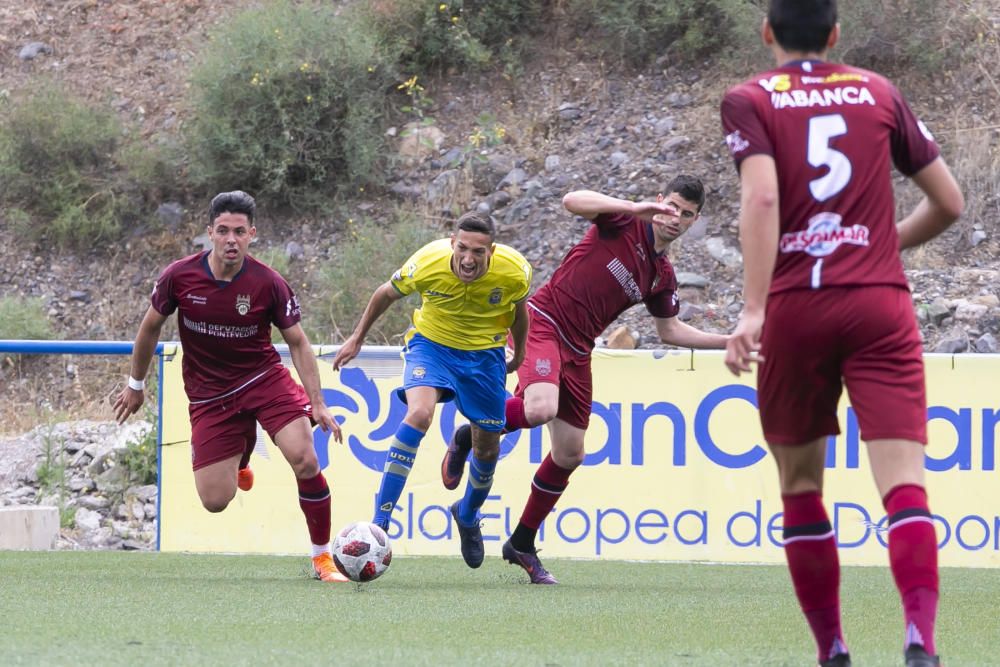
<point x="495" y="296"/>
<point x="242" y="304"/>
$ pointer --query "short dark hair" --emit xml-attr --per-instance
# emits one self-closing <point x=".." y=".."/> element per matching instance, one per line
<point x="474" y="221"/>
<point x="802" y="25"/>
<point x="689" y="187"/>
<point x="236" y="201"/>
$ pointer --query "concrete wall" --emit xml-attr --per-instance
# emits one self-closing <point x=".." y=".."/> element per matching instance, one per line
<point x="33" y="527"/>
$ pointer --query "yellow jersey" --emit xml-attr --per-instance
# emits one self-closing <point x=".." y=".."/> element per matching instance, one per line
<point x="464" y="316"/>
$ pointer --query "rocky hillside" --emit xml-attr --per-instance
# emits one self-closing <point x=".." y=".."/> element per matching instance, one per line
<point x="569" y="123"/>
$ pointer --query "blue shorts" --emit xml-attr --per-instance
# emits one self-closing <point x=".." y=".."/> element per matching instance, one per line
<point x="475" y="379"/>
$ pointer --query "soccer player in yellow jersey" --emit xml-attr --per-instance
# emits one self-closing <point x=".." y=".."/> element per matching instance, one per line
<point x="472" y="292"/>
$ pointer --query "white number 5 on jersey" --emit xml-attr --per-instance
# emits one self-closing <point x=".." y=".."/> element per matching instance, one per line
<point x="821" y="130"/>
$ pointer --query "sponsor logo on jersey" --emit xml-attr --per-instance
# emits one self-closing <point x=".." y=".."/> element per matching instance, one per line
<point x="242" y="304"/>
<point x="836" y="77"/>
<point x="924" y="131"/>
<point x="824" y="235"/>
<point x="543" y="367"/>
<point x="625" y="279"/>
<point x="777" y="83"/>
<point x="736" y="142"/>
<point x="827" y="97"/>
<point x="292" y="307"/>
<point x="196" y="299"/>
<point x="495" y="295"/>
<point x="431" y="292"/>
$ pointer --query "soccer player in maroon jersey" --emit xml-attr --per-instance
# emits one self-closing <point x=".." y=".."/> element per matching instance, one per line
<point x="233" y="376"/>
<point x="621" y="261"/>
<point x="813" y="142"/>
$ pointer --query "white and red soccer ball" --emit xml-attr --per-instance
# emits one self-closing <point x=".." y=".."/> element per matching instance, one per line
<point x="362" y="551"/>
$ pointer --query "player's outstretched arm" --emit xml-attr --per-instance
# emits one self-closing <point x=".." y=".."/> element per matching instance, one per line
<point x="941" y="206"/>
<point x="674" y="332"/>
<point x="130" y="400"/>
<point x="305" y="365"/>
<point x="589" y="204"/>
<point x="381" y="299"/>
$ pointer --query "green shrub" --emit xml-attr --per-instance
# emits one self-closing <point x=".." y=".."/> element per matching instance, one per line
<point x="367" y="256"/>
<point x="68" y="173"/>
<point x="890" y="34"/>
<point x="24" y="318"/>
<point x="435" y="35"/>
<point x="637" y="32"/>
<point x="287" y="101"/>
<point x="57" y="166"/>
<point x="139" y="458"/>
<point x="275" y="257"/>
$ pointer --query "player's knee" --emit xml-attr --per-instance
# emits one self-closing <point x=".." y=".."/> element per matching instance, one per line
<point x="540" y="412"/>
<point x="304" y="463"/>
<point x="420" y="417"/>
<point x="569" y="458"/>
<point x="216" y="503"/>
<point x="487" y="450"/>
<point x="306" y="468"/>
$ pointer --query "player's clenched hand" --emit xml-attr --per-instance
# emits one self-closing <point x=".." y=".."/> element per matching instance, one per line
<point x="127" y="403"/>
<point x="321" y="415"/>
<point x="744" y="344"/>
<point x="347" y="351"/>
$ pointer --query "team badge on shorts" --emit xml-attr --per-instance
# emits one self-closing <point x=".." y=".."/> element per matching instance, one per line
<point x="418" y="373"/>
<point x="543" y="367"/>
<point x="495" y="296"/>
<point x="242" y="304"/>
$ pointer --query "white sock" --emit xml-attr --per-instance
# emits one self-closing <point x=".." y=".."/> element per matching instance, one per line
<point x="320" y="549"/>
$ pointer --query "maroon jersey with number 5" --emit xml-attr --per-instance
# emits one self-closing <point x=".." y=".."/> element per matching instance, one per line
<point x="225" y="327"/>
<point x="832" y="131"/>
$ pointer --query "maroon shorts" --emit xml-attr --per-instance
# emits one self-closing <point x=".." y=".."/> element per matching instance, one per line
<point x="548" y="359"/>
<point x="865" y="338"/>
<point x="225" y="427"/>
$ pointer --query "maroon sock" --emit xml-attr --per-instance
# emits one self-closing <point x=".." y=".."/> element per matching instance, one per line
<point x="811" y="550"/>
<point x="913" y="559"/>
<point x="514" y="414"/>
<point x="247" y="451"/>
<point x="314" y="499"/>
<point x="547" y="486"/>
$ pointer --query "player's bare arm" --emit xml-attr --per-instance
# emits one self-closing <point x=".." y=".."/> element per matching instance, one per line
<point x="383" y="297"/>
<point x="941" y="206"/>
<point x="518" y="335"/>
<point x="759" y="240"/>
<point x="130" y="400"/>
<point x="674" y="332"/>
<point x="589" y="204"/>
<point x="305" y="365"/>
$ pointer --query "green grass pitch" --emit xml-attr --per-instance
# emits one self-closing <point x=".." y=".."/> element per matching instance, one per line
<point x="117" y="608"/>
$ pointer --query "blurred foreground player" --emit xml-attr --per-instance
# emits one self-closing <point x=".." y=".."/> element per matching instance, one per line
<point x="826" y="301"/>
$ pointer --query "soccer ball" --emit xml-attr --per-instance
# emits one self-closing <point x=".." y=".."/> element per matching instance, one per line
<point x="362" y="551"/>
